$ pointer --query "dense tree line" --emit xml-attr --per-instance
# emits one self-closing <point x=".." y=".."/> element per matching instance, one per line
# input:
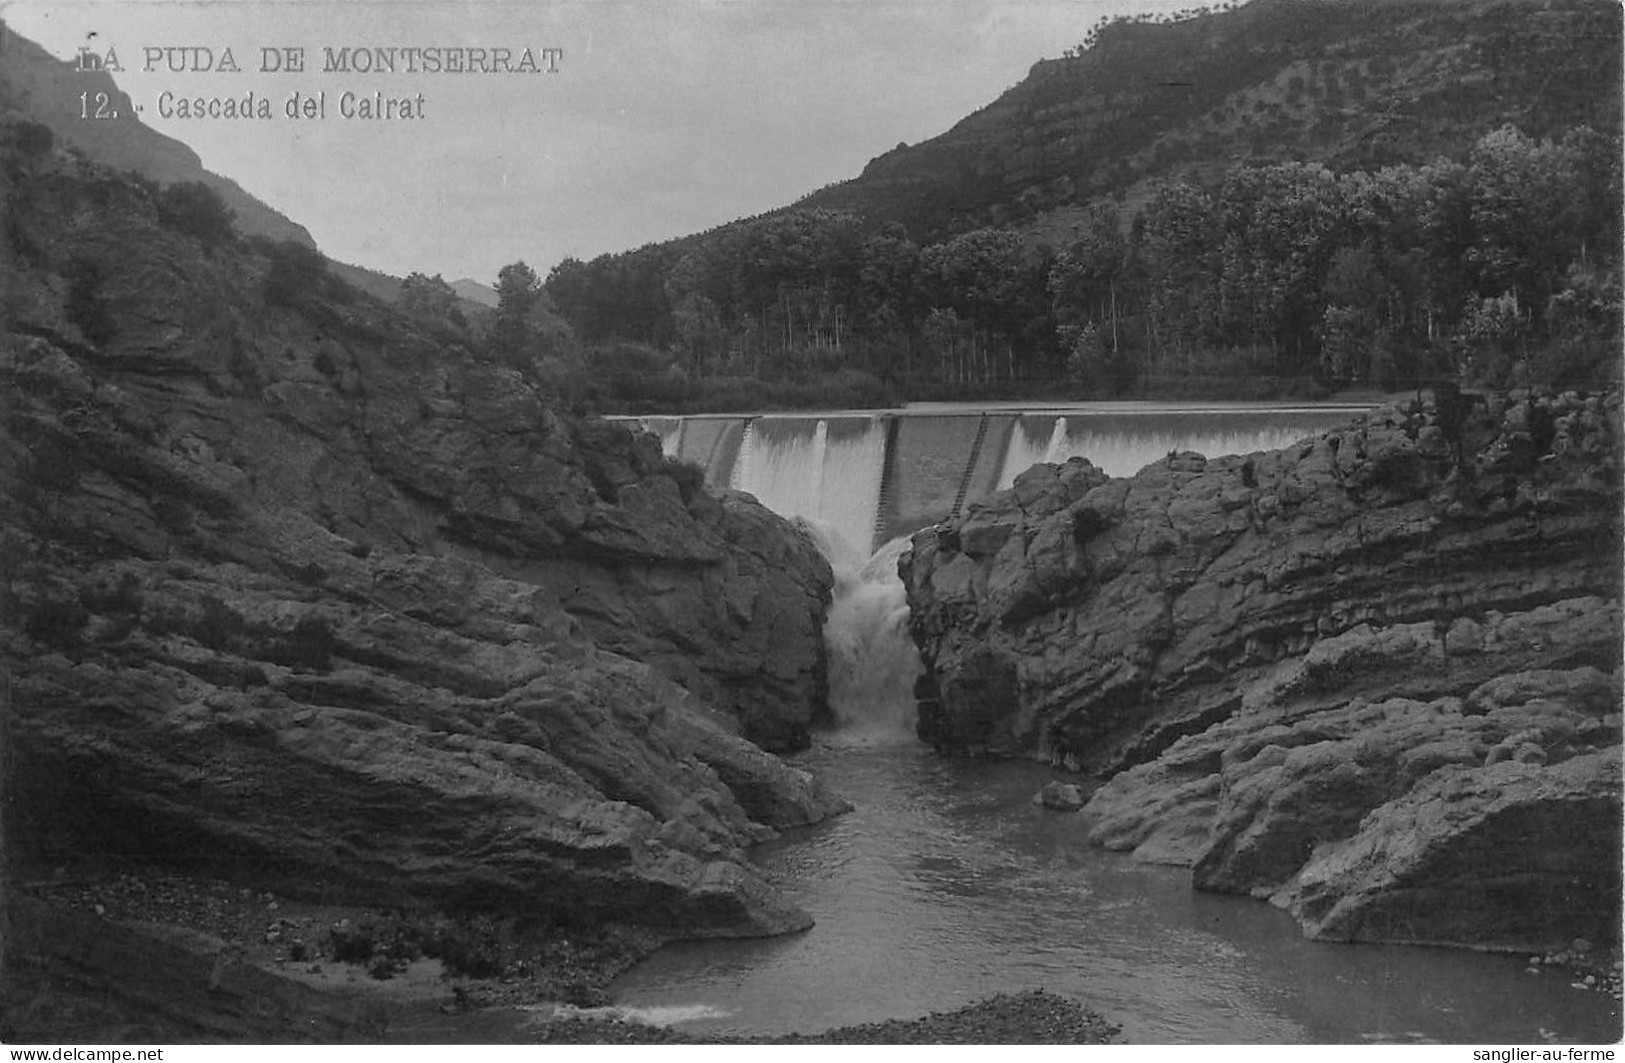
<point x="1501" y="266"/>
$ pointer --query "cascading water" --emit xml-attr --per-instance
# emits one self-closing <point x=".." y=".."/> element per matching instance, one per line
<point x="830" y="475"/>
<point x="828" y="472"/>
<point x="830" y="480"/>
<point x="872" y="659"/>
<point x="1121" y="444"/>
<point x="944" y="884"/>
<point x="1056" y="450"/>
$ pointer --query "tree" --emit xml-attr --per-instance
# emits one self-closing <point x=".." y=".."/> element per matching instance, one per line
<point x="1178" y="247"/>
<point x="428" y="297"/>
<point x="1083" y="279"/>
<point x="995" y="286"/>
<point x="518" y="289"/>
<point x="1522" y="217"/>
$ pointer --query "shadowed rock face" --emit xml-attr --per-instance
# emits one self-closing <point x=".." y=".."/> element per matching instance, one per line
<point x="297" y="586"/>
<point x="1338" y="676"/>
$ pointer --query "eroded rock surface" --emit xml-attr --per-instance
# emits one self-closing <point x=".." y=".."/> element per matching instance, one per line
<point x="1338" y="676"/>
<point x="300" y="587"/>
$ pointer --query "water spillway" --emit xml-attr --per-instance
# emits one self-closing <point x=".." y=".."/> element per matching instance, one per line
<point x="945" y="884"/>
<point x="874" y="476"/>
<point x="865" y="481"/>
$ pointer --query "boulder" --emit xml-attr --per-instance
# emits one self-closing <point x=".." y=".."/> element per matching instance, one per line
<point x="1496" y="856"/>
<point x="1273" y="657"/>
<point x="1059" y="796"/>
<point x="303" y="589"/>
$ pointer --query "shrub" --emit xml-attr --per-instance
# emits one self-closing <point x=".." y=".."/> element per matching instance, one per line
<point x="197" y="210"/>
<point x="297" y="274"/>
<point x="222" y="629"/>
<point x="33" y="139"/>
<point x="689" y="477"/>
<point x="310" y="645"/>
<point x="86" y="306"/>
<point x="57" y="623"/>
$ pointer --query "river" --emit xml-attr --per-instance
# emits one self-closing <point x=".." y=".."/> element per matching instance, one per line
<point x="946" y="884"/>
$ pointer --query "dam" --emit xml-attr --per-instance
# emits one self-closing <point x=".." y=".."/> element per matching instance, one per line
<point x="868" y="477"/>
<point x="946" y="884"/>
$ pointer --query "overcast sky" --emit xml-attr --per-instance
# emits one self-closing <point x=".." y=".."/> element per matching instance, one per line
<point x="664" y="117"/>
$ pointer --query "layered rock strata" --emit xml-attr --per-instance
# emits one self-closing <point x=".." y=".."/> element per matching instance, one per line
<point x="298" y="587"/>
<point x="1374" y="677"/>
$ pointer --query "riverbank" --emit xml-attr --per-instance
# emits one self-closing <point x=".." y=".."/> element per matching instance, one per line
<point x="1034" y="1017"/>
<point x="150" y="958"/>
<point x="1336" y="676"/>
<point x="141" y="956"/>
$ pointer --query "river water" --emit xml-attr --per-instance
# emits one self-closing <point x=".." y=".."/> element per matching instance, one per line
<point x="946" y="885"/>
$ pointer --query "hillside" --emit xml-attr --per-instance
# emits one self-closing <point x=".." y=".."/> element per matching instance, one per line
<point x="475" y="291"/>
<point x="1351" y="83"/>
<point x="310" y="593"/>
<point x="1283" y="198"/>
<point x="36" y="85"/>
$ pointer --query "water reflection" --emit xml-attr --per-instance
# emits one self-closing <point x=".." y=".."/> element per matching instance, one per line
<point x="946" y="885"/>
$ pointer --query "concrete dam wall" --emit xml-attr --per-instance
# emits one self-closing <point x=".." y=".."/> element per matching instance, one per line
<point x="870" y="477"/>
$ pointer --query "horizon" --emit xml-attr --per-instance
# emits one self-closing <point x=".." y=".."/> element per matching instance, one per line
<point x="653" y="123"/>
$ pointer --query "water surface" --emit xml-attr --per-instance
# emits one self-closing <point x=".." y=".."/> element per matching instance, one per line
<point x="947" y="885"/>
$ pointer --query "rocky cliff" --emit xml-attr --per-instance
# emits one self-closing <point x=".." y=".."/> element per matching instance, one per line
<point x="1374" y="677"/>
<point x="297" y="587"/>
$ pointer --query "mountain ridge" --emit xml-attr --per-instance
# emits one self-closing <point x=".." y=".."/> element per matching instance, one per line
<point x="45" y="89"/>
<point x="42" y="88"/>
<point x="1352" y="85"/>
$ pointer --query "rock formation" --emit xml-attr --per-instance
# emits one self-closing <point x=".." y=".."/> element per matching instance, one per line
<point x="1374" y="678"/>
<point x="300" y="587"/>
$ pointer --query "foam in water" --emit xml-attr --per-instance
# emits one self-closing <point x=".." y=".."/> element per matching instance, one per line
<point x="658" y="1015"/>
<point x="826" y="471"/>
<point x="1057" y="450"/>
<point x="872" y="660"/>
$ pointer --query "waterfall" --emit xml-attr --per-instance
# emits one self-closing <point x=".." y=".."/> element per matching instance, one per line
<point x="829" y="475"/>
<point x="1056" y="450"/>
<point x="1029" y="446"/>
<point x="826" y="471"/>
<point x="872" y="659"/>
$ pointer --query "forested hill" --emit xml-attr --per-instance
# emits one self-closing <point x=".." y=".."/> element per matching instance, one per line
<point x="1355" y="84"/>
<point x="1277" y="199"/>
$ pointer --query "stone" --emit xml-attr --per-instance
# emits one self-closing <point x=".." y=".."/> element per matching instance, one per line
<point x="1494" y="856"/>
<point x="1059" y="796"/>
<point x="303" y="590"/>
<point x="1270" y="658"/>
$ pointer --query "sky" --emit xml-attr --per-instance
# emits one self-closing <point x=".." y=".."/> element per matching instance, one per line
<point x="658" y="118"/>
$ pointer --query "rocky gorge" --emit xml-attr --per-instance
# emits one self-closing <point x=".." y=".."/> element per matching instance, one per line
<point x="1374" y="678"/>
<point x="305" y="592"/>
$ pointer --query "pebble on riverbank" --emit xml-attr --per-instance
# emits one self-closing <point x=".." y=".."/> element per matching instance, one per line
<point x="285" y="936"/>
<point x="1034" y="1017"/>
